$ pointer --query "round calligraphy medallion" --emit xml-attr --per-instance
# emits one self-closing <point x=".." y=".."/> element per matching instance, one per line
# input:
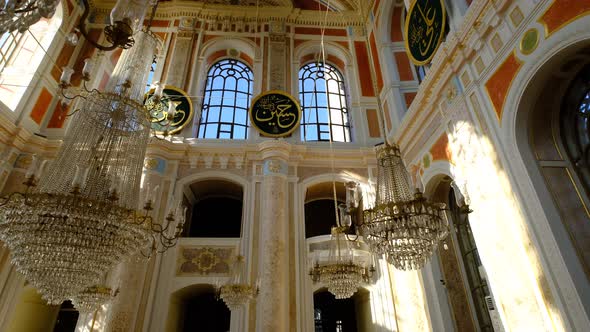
<point x="275" y="113"/>
<point x="424" y="31"/>
<point x="173" y="99"/>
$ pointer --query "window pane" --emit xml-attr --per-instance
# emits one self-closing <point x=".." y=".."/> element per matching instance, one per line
<point x="241" y="117"/>
<point x="228" y="86"/>
<point x="315" y="106"/>
<point x="240" y="132"/>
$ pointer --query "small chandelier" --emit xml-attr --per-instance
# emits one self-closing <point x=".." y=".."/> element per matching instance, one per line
<point x="237" y="293"/>
<point x="81" y="217"/>
<point x="405" y="228"/>
<point x="342" y="272"/>
<point x="92" y="298"/>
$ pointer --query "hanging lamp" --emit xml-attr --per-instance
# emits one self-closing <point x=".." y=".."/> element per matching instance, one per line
<point x="237" y="292"/>
<point x="343" y="272"/>
<point x="82" y="216"/>
<point x="402" y="225"/>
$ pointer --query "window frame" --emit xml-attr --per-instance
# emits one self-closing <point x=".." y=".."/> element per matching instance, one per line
<point x="225" y="128"/>
<point x="323" y="128"/>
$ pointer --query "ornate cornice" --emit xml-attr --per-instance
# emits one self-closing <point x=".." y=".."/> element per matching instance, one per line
<point x="238" y="13"/>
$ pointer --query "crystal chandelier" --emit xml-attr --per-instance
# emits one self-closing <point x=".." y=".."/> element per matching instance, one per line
<point x="237" y="292"/>
<point x="80" y="218"/>
<point x="21" y="14"/>
<point x="342" y="271"/>
<point x="405" y="228"/>
<point x="92" y="298"/>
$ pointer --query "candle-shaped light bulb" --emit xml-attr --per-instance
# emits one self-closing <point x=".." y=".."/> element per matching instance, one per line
<point x="84" y="176"/>
<point x="351" y="194"/>
<point x="72" y="39"/>
<point x="66" y="76"/>
<point x="154" y="194"/>
<point x="40" y="169"/>
<point x="114" y="187"/>
<point x="77" y="177"/>
<point x="87" y="70"/>
<point x="120" y="186"/>
<point x="159" y="90"/>
<point x="419" y="184"/>
<point x="32" y="167"/>
<point x="148" y="192"/>
<point x="345" y="219"/>
<point x="171" y="110"/>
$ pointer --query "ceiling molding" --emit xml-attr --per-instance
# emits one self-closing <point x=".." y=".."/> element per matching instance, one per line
<point x="233" y="13"/>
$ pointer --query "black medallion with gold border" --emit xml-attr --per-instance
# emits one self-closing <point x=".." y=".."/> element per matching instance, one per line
<point x="275" y="113"/>
<point x="172" y="98"/>
<point x="424" y="30"/>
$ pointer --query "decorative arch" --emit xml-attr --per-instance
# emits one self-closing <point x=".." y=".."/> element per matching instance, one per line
<point x="216" y="48"/>
<point x="310" y="50"/>
<point x="457" y="261"/>
<point x="201" y="300"/>
<point x="525" y="104"/>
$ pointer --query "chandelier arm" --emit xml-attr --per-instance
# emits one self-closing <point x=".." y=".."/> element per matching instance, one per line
<point x="85" y="85"/>
<point x="29" y="8"/>
<point x="84" y="32"/>
<point x="348" y="237"/>
<point x="74" y="112"/>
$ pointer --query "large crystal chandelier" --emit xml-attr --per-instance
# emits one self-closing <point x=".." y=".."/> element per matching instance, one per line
<point x="342" y="272"/>
<point x="404" y="227"/>
<point x="237" y="292"/>
<point x="80" y="218"/>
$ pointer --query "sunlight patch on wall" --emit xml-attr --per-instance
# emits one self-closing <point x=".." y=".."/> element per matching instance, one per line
<point x="514" y="270"/>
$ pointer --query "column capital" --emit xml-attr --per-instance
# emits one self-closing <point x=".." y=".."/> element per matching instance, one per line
<point x="275" y="149"/>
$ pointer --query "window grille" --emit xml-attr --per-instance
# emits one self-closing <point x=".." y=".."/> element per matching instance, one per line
<point x="321" y="108"/>
<point x="226" y="100"/>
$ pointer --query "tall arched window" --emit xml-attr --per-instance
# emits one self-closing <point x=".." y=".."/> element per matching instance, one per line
<point x="226" y="100"/>
<point x="323" y="108"/>
<point x="21" y="54"/>
<point x="575" y="125"/>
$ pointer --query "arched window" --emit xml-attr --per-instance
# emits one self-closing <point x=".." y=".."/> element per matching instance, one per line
<point x="21" y="55"/>
<point x="575" y="126"/>
<point x="323" y="108"/>
<point x="226" y="100"/>
<point x="480" y="292"/>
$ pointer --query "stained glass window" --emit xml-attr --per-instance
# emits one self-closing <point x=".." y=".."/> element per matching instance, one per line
<point x="226" y="100"/>
<point x="323" y="102"/>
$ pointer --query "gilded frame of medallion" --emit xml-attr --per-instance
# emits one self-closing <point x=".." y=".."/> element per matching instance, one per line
<point x="190" y="105"/>
<point x="439" y="41"/>
<point x="282" y="93"/>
